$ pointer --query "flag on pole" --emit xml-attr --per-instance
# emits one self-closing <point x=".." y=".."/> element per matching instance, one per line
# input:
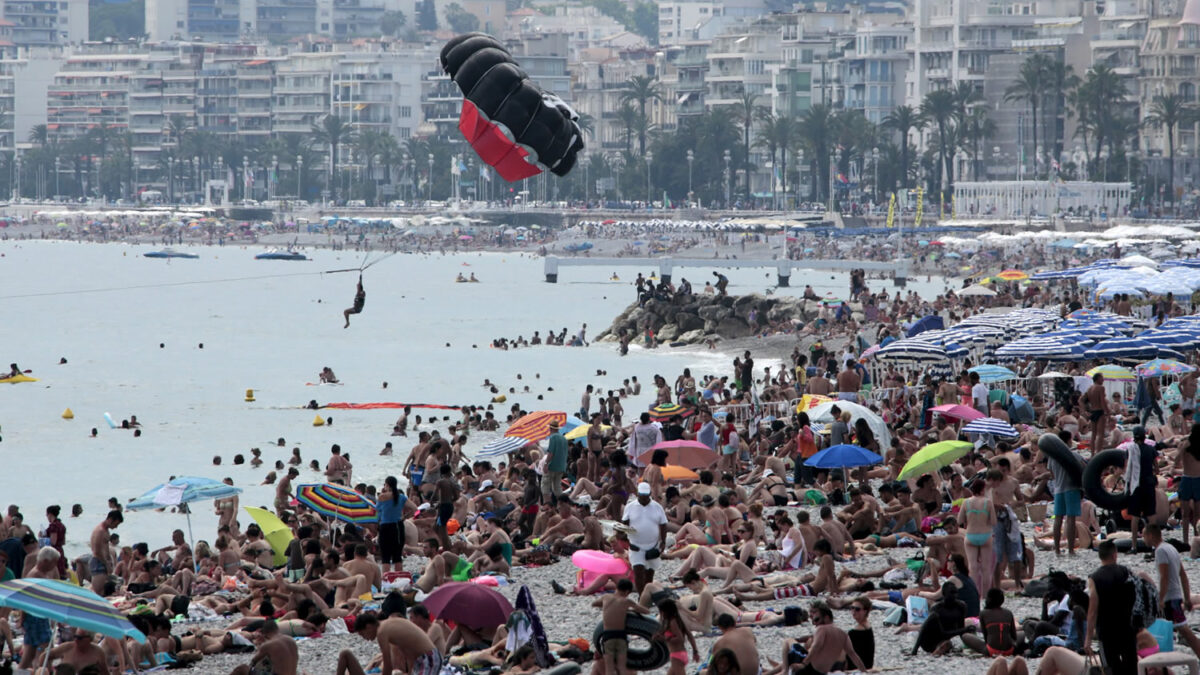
<point x="483" y="173"/>
<point x="455" y="166"/>
<point x="891" y="210"/>
<point x="920" y="207"/>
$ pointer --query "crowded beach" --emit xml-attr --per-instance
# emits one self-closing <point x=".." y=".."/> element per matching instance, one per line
<point x="1001" y="478"/>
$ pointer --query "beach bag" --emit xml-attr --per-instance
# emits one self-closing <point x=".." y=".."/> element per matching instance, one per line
<point x="815" y="497"/>
<point x="917" y="608"/>
<point x="1145" y="599"/>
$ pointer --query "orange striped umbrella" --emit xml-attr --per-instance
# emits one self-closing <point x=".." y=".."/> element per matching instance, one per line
<point x="1012" y="275"/>
<point x="535" y="426"/>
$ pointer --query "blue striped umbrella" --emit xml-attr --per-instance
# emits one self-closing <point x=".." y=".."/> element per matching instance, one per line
<point x="182" y="490"/>
<point x="989" y="373"/>
<point x="843" y="456"/>
<point x="1123" y="348"/>
<point x="65" y="603"/>
<point x="991" y="425"/>
<point x="1174" y="338"/>
<point x="501" y="446"/>
<point x="912" y="351"/>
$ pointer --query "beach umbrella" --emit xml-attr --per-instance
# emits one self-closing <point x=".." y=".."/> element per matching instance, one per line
<point x="691" y="454"/>
<point x="666" y="411"/>
<point x="810" y="401"/>
<point x="991" y="425"/>
<point x="473" y="605"/>
<point x="337" y="502"/>
<point x="65" y="603"/>
<point x="1173" y="338"/>
<point x="571" y="424"/>
<point x="676" y="473"/>
<point x="1122" y="348"/>
<point x="1160" y="367"/>
<point x="823" y="413"/>
<point x="869" y="352"/>
<point x="912" y="350"/>
<point x="275" y="532"/>
<point x="582" y="430"/>
<point x="990" y="373"/>
<point x="933" y="457"/>
<point x="502" y="446"/>
<point x="931" y="322"/>
<point x="536" y="425"/>
<point x="1111" y="372"/>
<point x="1053" y="375"/>
<point x="843" y="456"/>
<point x="980" y="291"/>
<point x="1012" y="275"/>
<point x="956" y="411"/>
<point x="183" y="490"/>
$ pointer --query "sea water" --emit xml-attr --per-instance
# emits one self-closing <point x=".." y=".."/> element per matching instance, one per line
<point x="271" y="326"/>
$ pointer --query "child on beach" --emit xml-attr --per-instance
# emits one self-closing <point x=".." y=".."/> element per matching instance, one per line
<point x="614" y="642"/>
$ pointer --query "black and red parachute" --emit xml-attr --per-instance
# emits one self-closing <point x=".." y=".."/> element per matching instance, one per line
<point x="510" y="122"/>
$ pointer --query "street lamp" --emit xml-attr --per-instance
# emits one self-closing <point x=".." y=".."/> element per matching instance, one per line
<point x="170" y="177"/>
<point x="995" y="159"/>
<point x="196" y="172"/>
<point x="299" y="176"/>
<point x="1104" y="165"/>
<point x="875" y="184"/>
<point x="727" y="158"/>
<point x="649" y="193"/>
<point x="17" y="162"/>
<point x="429" y="188"/>
<point x="375" y="180"/>
<point x="57" y="192"/>
<point x="273" y="177"/>
<point x="799" y="174"/>
<point x="245" y="179"/>
<point x="691" y="156"/>
<point x="836" y="160"/>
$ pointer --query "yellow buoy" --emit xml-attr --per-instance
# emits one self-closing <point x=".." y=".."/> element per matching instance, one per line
<point x="249" y="395"/>
<point x="318" y="421"/>
<point x="68" y="415"/>
<point x="499" y="399"/>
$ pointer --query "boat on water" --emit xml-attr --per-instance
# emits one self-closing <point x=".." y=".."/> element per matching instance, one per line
<point x="276" y="254"/>
<point x="17" y="379"/>
<point x="169" y="253"/>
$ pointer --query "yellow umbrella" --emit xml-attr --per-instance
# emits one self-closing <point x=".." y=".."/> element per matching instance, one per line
<point x="674" y="472"/>
<point x="581" y="431"/>
<point x="1113" y="372"/>
<point x="275" y="532"/>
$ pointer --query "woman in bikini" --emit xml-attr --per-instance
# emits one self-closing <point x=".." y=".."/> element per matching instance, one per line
<point x="980" y="518"/>
<point x="674" y="632"/>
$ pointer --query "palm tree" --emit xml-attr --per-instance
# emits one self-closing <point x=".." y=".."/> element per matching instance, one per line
<point x="332" y="132"/>
<point x="1097" y="102"/>
<point x="1060" y="81"/>
<point x="1030" y="87"/>
<point x="902" y="120"/>
<point x="816" y="130"/>
<point x="39" y="134"/>
<point x="965" y="96"/>
<point x="587" y="125"/>
<point x="641" y="89"/>
<point x="778" y="135"/>
<point x="747" y="111"/>
<point x="1167" y="113"/>
<point x="630" y="121"/>
<point x="939" y="108"/>
<point x="978" y="127"/>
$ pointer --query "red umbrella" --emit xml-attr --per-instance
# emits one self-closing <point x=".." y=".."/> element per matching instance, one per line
<point x="692" y="454"/>
<point x="535" y="426"/>
<point x="473" y="605"/>
<point x="958" y="412"/>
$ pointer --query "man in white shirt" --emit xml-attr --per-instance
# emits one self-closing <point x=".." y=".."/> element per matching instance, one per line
<point x="979" y="394"/>
<point x="649" y="539"/>
<point x="643" y="436"/>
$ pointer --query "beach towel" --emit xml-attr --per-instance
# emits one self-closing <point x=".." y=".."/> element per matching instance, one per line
<point x="541" y="647"/>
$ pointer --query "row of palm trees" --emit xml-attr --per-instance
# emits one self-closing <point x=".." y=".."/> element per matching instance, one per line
<point x="101" y="161"/>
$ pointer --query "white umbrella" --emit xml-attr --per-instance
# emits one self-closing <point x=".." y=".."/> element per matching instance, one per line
<point x="883" y="435"/>
<point x="977" y="290"/>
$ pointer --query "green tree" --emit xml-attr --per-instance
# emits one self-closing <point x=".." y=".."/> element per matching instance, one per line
<point x="904" y="119"/>
<point x="817" y="131"/>
<point x="644" y="21"/>
<point x="426" y="15"/>
<point x="631" y="121"/>
<point x="747" y="110"/>
<point x="939" y="109"/>
<point x="119" y="21"/>
<point x="460" y="20"/>
<point x="641" y="90"/>
<point x="391" y="21"/>
<point x="1060" y="81"/>
<point x="332" y="132"/>
<point x="1167" y="113"/>
<point x="1097" y="102"/>
<point x="977" y="128"/>
<point x="1030" y="87"/>
<point x="780" y="135"/>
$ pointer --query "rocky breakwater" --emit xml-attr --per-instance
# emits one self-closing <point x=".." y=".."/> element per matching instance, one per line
<point x="701" y="317"/>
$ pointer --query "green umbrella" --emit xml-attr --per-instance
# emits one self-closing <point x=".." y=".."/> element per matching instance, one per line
<point x="933" y="457"/>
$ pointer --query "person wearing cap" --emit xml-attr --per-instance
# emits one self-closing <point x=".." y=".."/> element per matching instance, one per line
<point x="646" y="543"/>
<point x="556" y="466"/>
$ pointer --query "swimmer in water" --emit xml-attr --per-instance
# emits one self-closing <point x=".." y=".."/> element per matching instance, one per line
<point x="360" y="299"/>
<point x="327" y="375"/>
<point x="460" y="279"/>
<point x="473" y="279"/>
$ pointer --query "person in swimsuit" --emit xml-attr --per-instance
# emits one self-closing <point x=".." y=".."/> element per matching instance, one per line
<point x="1188" y="460"/>
<point x="980" y="520"/>
<point x="1000" y="635"/>
<point x="360" y="299"/>
<point x="1097" y="409"/>
<point x="673" y="633"/>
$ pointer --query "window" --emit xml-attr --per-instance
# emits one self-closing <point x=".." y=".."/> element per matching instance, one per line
<point x="406" y="111"/>
<point x="405" y="132"/>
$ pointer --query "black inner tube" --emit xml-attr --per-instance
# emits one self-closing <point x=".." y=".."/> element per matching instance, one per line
<point x="645" y="653"/>
<point x="1093" y="487"/>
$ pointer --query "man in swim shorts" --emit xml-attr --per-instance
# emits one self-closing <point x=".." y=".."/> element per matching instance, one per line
<point x="102" y="560"/>
<point x="393" y="635"/>
<point x="360" y="299"/>
<point x="1097" y="409"/>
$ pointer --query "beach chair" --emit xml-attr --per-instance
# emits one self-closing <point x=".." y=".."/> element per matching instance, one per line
<point x="1167" y="660"/>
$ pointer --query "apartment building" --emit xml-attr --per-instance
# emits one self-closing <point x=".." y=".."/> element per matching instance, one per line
<point x="874" y="70"/>
<point x="679" y="20"/>
<point x="44" y="23"/>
